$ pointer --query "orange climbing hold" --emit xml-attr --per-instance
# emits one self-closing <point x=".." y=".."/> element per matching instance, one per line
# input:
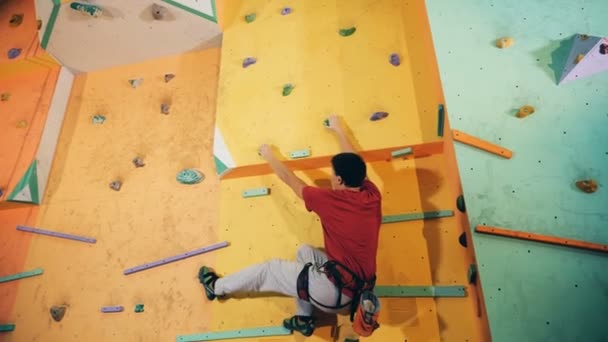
<point x="525" y="111"/>
<point x="588" y="185"/>
<point x="481" y="144"/>
<point x="541" y="238"/>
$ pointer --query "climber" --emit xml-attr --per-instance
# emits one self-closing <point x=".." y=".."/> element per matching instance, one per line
<point x="333" y="280"/>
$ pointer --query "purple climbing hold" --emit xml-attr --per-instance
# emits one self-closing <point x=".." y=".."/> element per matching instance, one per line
<point x="249" y="61"/>
<point x="14" y="53"/>
<point x="286" y="10"/>
<point x="395" y="60"/>
<point x="1" y="192"/>
<point x="378" y="116"/>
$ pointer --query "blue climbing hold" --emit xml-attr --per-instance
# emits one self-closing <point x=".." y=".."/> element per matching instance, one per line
<point x="249" y="61"/>
<point x="286" y="11"/>
<point x="395" y="60"/>
<point x="378" y="116"/>
<point x="14" y="53"/>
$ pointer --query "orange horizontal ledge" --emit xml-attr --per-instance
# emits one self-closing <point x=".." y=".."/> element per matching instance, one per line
<point x="418" y="151"/>
<point x="481" y="144"/>
<point x="541" y="238"/>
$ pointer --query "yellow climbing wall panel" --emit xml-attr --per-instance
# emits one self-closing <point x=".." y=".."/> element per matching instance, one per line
<point x="410" y="253"/>
<point x="152" y="217"/>
<point x="350" y="76"/>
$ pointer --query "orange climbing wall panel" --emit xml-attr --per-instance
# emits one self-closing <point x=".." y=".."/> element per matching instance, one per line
<point x="23" y="36"/>
<point x="22" y="119"/>
<point x="152" y="217"/>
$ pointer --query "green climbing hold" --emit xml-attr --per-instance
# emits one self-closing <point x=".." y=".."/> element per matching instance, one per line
<point x="348" y="31"/>
<point x="190" y="176"/>
<point x="249" y="18"/>
<point x="326" y="122"/>
<point x="460" y="204"/>
<point x="139" y="308"/>
<point x="287" y="89"/>
<point x="99" y="119"/>
<point x="91" y="10"/>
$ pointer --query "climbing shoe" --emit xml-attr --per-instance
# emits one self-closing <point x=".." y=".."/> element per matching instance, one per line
<point x="302" y="324"/>
<point x="207" y="278"/>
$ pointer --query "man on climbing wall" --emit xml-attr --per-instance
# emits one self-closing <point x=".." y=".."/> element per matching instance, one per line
<point x="350" y="215"/>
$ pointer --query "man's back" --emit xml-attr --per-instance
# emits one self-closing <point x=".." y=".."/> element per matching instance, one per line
<point x="351" y="224"/>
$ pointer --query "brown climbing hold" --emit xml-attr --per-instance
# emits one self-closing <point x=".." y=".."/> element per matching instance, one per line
<point x="169" y="77"/>
<point x="21" y="124"/>
<point x="5" y="96"/>
<point x="588" y="185"/>
<point x="164" y="108"/>
<point x="138" y="162"/>
<point x="116" y="185"/>
<point x="38" y="24"/>
<point x="579" y="58"/>
<point x="159" y="12"/>
<point x="525" y="111"/>
<point x="57" y="312"/>
<point x="504" y="42"/>
<point x="584" y="37"/>
<point x="16" y="20"/>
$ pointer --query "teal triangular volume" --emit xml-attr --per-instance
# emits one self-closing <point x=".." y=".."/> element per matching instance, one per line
<point x="27" y="189"/>
<point x="220" y="167"/>
<point x="581" y="45"/>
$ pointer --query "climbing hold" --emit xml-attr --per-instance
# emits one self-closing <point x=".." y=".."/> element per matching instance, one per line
<point x="584" y="36"/>
<point x="299" y="154"/>
<point x="462" y="240"/>
<point x="347" y="31"/>
<point x="5" y="96"/>
<point x="286" y="10"/>
<point x="472" y="274"/>
<point x="169" y="77"/>
<point x="136" y="82"/>
<point x="16" y="20"/>
<point x="38" y="24"/>
<point x="249" y="18"/>
<point x="164" y="108"/>
<point x="525" y="111"/>
<point x="21" y="124"/>
<point x="7" y="327"/>
<point x="257" y="192"/>
<point x="158" y="12"/>
<point x="588" y="185"/>
<point x="107" y="309"/>
<point x="402" y="152"/>
<point x="378" y="116"/>
<point x="14" y="53"/>
<point x="139" y="308"/>
<point x="460" y="204"/>
<point x="138" y="162"/>
<point x="504" y="42"/>
<point x="579" y="58"/>
<point x="604" y="49"/>
<point x="57" y="312"/>
<point x="395" y="60"/>
<point x="91" y="10"/>
<point x="190" y="176"/>
<point x="287" y="89"/>
<point x="1" y="192"/>
<point x="249" y="61"/>
<point x="440" y="119"/>
<point x="98" y="119"/>
<point x="326" y="122"/>
<point x="116" y="185"/>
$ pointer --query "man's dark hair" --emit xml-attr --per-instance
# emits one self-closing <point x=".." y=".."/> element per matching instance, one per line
<point x="350" y="167"/>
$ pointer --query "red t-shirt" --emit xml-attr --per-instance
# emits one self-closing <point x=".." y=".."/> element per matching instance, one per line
<point x="351" y="224"/>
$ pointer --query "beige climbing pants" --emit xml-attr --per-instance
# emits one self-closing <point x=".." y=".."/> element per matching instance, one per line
<point x="280" y="276"/>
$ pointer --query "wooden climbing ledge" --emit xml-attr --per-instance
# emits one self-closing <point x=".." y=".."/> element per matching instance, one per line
<point x="542" y="238"/>
<point x="481" y="144"/>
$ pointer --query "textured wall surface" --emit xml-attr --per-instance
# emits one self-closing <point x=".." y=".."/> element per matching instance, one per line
<point x="533" y="292"/>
